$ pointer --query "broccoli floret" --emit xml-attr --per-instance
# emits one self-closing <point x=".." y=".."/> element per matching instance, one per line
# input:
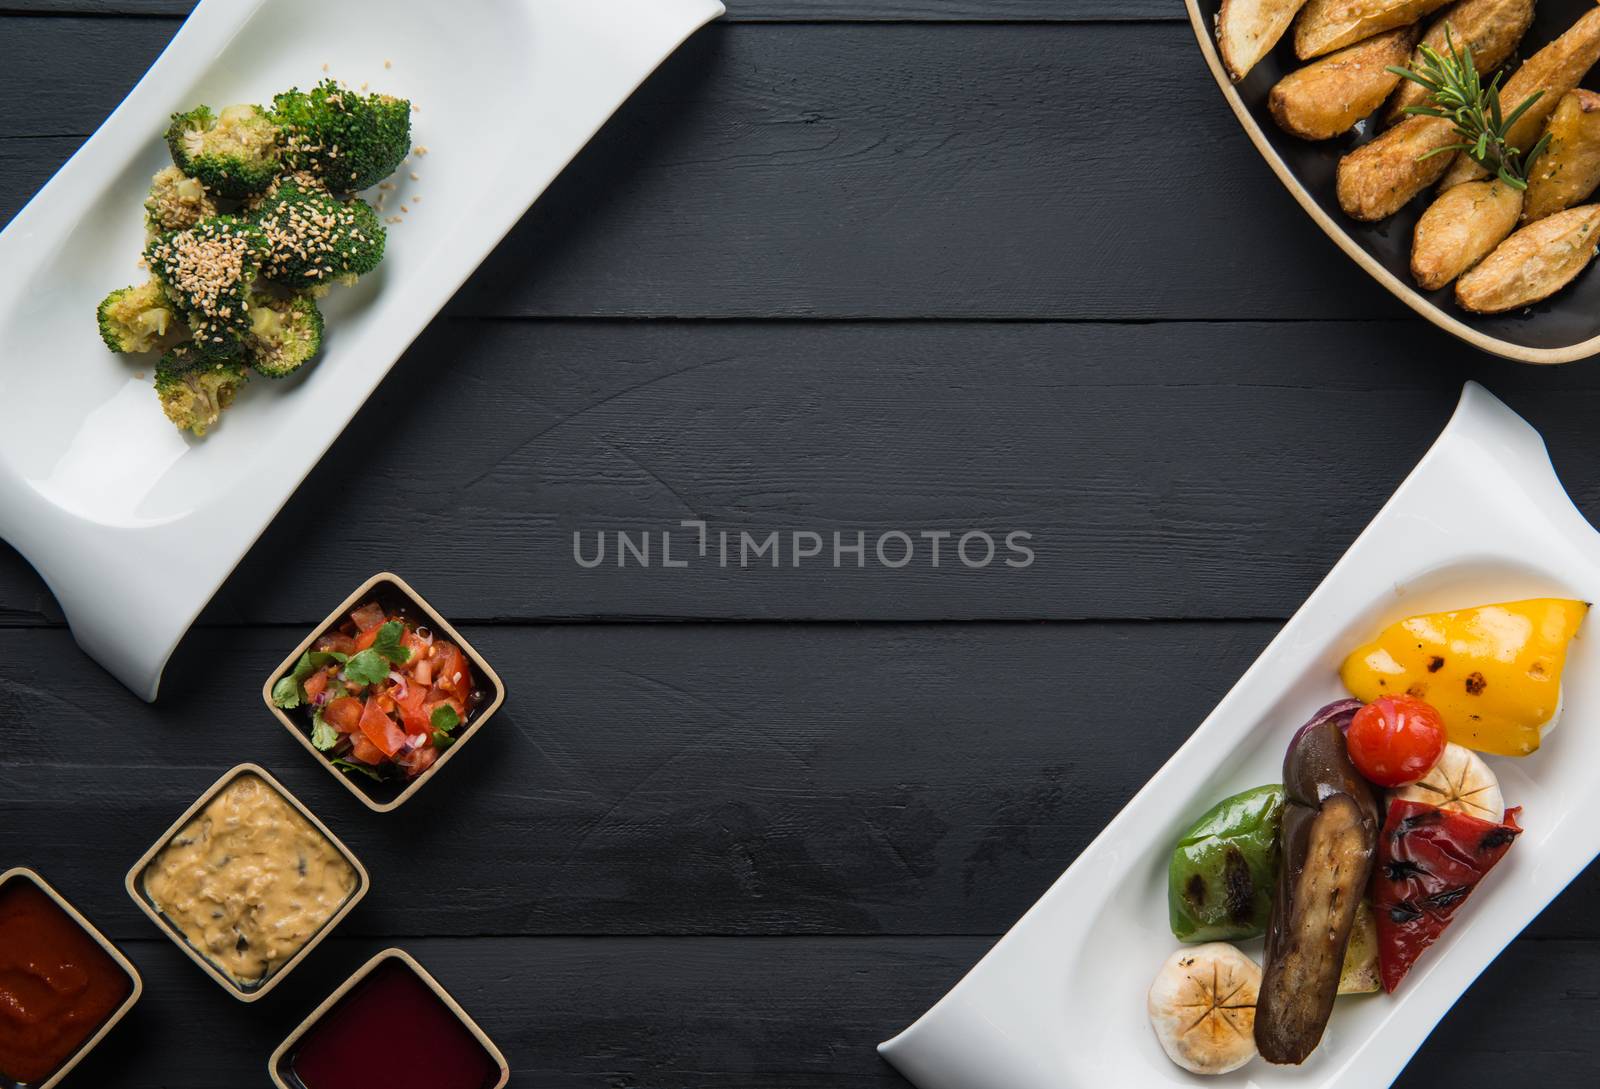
<point x="347" y="139"/>
<point x="176" y="202"/>
<point x="315" y="239"/>
<point x="136" y="319"/>
<point x="234" y="153"/>
<point x="300" y="179"/>
<point x="195" y="388"/>
<point x="284" y="334"/>
<point x="208" y="271"/>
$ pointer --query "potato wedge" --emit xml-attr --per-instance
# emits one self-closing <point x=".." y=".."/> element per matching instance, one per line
<point x="1248" y="29"/>
<point x="1330" y="95"/>
<point x="1461" y="228"/>
<point x="1533" y="264"/>
<point x="1554" y="70"/>
<point x="1326" y="25"/>
<point x="1492" y="28"/>
<point x="1569" y="169"/>
<point x="1381" y="176"/>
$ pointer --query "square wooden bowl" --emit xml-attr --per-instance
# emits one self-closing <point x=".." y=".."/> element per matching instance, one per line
<point x="135" y="886"/>
<point x="23" y="873"/>
<point x="279" y="1065"/>
<point x="1563" y="328"/>
<point x="384" y="797"/>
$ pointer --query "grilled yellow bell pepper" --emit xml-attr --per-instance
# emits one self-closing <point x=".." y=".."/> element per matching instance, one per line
<point x="1493" y="673"/>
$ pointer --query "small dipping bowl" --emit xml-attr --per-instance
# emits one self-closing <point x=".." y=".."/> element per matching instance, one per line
<point x="395" y="595"/>
<point x="440" y="1047"/>
<point x="286" y="850"/>
<point x="63" y="986"/>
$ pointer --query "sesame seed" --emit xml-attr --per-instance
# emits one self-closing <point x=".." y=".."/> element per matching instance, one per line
<point x="419" y="150"/>
<point x="388" y="64"/>
<point x="324" y="67"/>
<point x="403" y="208"/>
<point x="414" y="176"/>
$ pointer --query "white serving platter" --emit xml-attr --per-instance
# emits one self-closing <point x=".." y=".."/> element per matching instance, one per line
<point x="131" y="524"/>
<point x="1059" y="1002"/>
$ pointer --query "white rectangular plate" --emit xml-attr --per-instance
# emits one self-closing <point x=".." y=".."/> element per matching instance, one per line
<point x="1482" y="518"/>
<point x="131" y="524"/>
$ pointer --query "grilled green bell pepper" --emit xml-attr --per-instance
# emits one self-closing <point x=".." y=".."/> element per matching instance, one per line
<point x="1223" y="872"/>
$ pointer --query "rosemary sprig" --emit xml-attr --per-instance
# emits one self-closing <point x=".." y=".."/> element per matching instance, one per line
<point x="1457" y="93"/>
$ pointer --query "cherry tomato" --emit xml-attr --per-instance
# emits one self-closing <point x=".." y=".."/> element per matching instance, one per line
<point x="1395" y="740"/>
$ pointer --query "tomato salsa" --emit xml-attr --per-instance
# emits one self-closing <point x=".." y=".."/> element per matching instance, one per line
<point x="57" y="985"/>
<point x="382" y="695"/>
<point x="439" y="1052"/>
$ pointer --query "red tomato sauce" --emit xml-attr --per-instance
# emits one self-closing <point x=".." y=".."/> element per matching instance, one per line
<point x="57" y="985"/>
<point x="392" y="1031"/>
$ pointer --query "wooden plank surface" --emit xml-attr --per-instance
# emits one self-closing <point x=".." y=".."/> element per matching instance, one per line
<point x="1168" y="470"/>
<point x="902" y="276"/>
<point x="966" y="11"/>
<point x="811" y="153"/>
<point x="784" y="1013"/>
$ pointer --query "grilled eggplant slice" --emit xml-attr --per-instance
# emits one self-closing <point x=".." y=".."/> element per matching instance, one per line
<point x="1326" y="852"/>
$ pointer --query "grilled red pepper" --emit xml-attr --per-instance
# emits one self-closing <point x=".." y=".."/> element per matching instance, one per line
<point x="1429" y="860"/>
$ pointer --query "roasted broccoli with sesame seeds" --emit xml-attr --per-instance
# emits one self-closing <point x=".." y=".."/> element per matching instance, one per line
<point x="208" y="271"/>
<point x="235" y="153"/>
<point x="300" y="179"/>
<point x="137" y="319"/>
<point x="284" y="334"/>
<point x="348" y="139"/>
<point x="195" y="387"/>
<point x="315" y="240"/>
<point x="176" y="202"/>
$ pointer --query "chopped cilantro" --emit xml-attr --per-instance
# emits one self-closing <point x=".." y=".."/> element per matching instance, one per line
<point x="323" y="736"/>
<point x="289" y="691"/>
<point x="442" y="740"/>
<point x="444" y="718"/>
<point x="351" y="765"/>
<point x="371" y="666"/>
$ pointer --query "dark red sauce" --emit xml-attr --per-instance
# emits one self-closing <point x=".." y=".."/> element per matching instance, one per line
<point x="393" y="1031"/>
<point x="57" y="985"/>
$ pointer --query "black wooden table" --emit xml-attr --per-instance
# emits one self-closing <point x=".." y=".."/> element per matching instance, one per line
<point x="918" y="265"/>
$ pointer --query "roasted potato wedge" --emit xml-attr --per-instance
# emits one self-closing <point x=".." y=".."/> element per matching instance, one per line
<point x="1568" y="170"/>
<point x="1330" y="95"/>
<point x="1533" y="264"/>
<point x="1381" y="176"/>
<point x="1326" y="25"/>
<point x="1554" y="70"/>
<point x="1492" y="28"/>
<point x="1461" y="228"/>
<point x="1248" y="29"/>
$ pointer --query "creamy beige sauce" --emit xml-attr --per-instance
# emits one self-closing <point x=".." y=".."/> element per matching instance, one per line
<point x="249" y="880"/>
